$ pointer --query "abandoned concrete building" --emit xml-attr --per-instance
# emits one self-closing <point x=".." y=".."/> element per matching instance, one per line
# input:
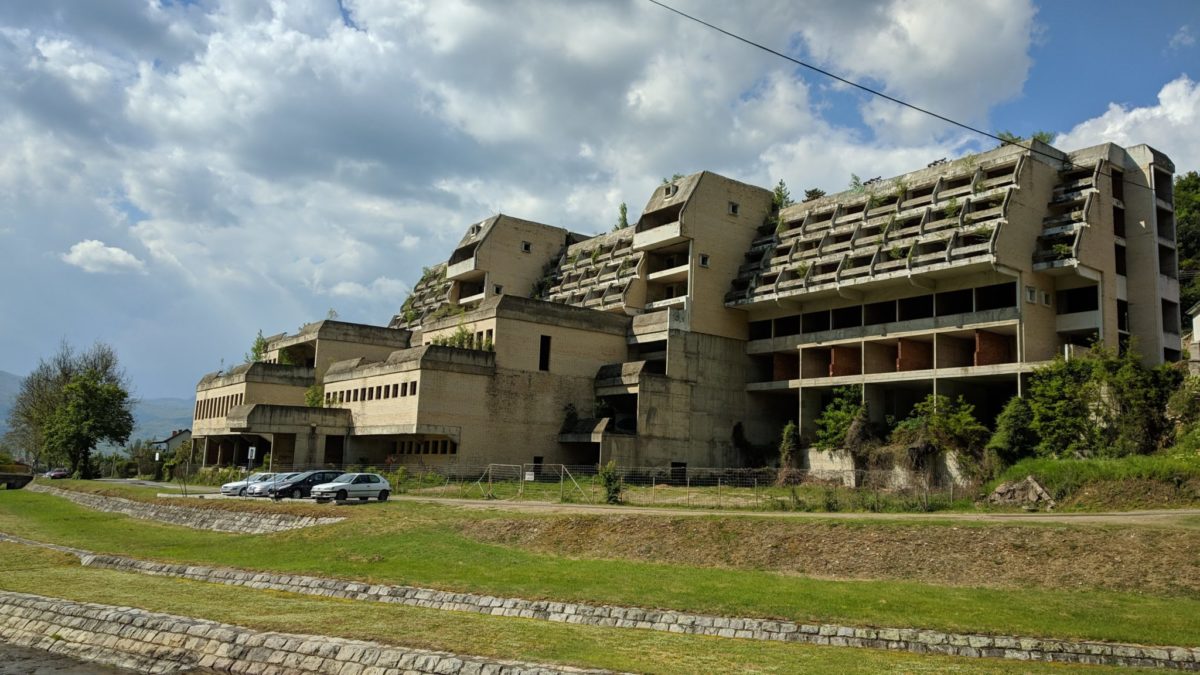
<point x="695" y="334"/>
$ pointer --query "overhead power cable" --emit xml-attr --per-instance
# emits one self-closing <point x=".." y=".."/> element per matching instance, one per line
<point x="876" y="92"/>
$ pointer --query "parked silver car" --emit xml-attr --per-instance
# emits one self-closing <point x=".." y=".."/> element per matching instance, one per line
<point x="362" y="486"/>
<point x="263" y="488"/>
<point x="239" y="487"/>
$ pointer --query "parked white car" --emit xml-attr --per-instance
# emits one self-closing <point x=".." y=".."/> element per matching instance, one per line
<point x="239" y="487"/>
<point x="362" y="486"/>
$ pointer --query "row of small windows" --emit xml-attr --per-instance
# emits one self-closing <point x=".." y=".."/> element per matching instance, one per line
<point x="209" y="408"/>
<point x="432" y="447"/>
<point x="376" y="393"/>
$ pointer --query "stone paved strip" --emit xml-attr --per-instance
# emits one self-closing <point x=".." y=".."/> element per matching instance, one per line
<point x="909" y="639"/>
<point x="201" y="519"/>
<point x="150" y="642"/>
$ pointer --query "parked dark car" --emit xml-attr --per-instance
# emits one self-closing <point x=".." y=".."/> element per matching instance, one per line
<point x="300" y="485"/>
<point x="57" y="473"/>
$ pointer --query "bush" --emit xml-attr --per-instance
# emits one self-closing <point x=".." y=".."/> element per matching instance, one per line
<point x="941" y="424"/>
<point x="835" y="420"/>
<point x="1013" y="439"/>
<point x="789" y="441"/>
<point x="610" y="480"/>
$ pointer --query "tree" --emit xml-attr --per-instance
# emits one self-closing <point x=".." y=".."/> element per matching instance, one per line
<point x="1187" y="235"/>
<point x="257" y="350"/>
<point x="91" y="411"/>
<point x="314" y="396"/>
<point x="42" y="393"/>
<point x="835" y="420"/>
<point x="1014" y="438"/>
<point x="789" y="442"/>
<point x="622" y="217"/>
<point x="781" y="197"/>
<point x="813" y="193"/>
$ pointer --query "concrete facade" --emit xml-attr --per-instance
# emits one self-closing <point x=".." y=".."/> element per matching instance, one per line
<point x="696" y="333"/>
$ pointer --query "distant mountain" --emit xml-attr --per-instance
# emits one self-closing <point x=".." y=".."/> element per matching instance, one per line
<point x="154" y="418"/>
<point x="9" y="386"/>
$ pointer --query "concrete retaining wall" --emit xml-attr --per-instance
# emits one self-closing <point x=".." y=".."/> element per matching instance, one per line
<point x="218" y="520"/>
<point x="150" y="642"/>
<point x="913" y="640"/>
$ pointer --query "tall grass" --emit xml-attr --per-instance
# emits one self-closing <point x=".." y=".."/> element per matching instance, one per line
<point x="1064" y="477"/>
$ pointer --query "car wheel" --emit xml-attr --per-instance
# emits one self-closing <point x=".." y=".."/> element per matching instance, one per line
<point x="341" y="495"/>
<point x="383" y="495"/>
<point x="242" y="492"/>
<point x="297" y="494"/>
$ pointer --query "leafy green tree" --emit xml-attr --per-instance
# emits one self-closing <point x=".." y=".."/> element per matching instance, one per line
<point x="1014" y="438"/>
<point x="1101" y="405"/>
<point x="946" y="424"/>
<point x="781" y="197"/>
<point x="622" y="217"/>
<point x="92" y="411"/>
<point x="314" y="396"/>
<point x="257" y="350"/>
<point x="813" y="193"/>
<point x="835" y="420"/>
<point x="41" y="394"/>
<point x="610" y="480"/>
<point x="789" y="442"/>
<point x="1187" y="235"/>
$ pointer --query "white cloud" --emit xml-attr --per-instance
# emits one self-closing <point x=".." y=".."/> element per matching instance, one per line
<point x="1172" y="126"/>
<point x="93" y="256"/>
<point x="1182" y="38"/>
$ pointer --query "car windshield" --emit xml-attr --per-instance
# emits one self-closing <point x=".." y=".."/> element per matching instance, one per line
<point x="259" y="477"/>
<point x="288" y="476"/>
<point x="344" y="478"/>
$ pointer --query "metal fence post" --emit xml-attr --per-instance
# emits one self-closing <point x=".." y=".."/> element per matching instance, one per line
<point x="688" y="488"/>
<point x="718" y="492"/>
<point x="561" y="469"/>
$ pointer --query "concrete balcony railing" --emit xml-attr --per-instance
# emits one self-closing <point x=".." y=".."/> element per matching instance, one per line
<point x="461" y="269"/>
<point x="1077" y="321"/>
<point x="659" y="236"/>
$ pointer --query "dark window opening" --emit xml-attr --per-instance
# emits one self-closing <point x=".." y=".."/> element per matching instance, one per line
<point x="955" y="302"/>
<point x="814" y="322"/>
<point x="787" y="325"/>
<point x="920" y="307"/>
<point x="760" y="330"/>
<point x="1084" y="299"/>
<point x="1118" y="221"/>
<point x="1118" y="184"/>
<point x="1119" y="252"/>
<point x="996" y="296"/>
<point x="544" y="354"/>
<point x="847" y="317"/>
<point x="876" y="313"/>
<point x="1123" y="315"/>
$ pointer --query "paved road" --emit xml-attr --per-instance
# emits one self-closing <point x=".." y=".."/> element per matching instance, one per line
<point x="16" y="660"/>
<point x="1160" y="517"/>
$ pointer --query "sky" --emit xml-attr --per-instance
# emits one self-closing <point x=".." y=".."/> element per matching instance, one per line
<point x="175" y="176"/>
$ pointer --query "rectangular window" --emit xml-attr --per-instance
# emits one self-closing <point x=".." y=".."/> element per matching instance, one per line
<point x="1030" y="294"/>
<point x="395" y="390"/>
<point x="733" y="208"/>
<point x="404" y="389"/>
<point x="378" y="393"/>
<point x="499" y="289"/>
<point x="413" y="389"/>
<point x="526" y="247"/>
<point x="354" y="396"/>
<point x="704" y="260"/>
<point x="544" y="354"/>
<point x="1045" y="298"/>
<point x="387" y="391"/>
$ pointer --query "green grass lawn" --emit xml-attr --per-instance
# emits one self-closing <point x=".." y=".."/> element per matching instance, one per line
<point x="31" y="570"/>
<point x="419" y="544"/>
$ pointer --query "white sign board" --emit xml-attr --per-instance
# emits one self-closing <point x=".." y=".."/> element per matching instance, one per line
<point x="529" y="476"/>
<point x="253" y="450"/>
<point x="156" y="457"/>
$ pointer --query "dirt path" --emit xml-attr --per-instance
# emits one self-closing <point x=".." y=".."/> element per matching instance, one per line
<point x="1159" y="518"/>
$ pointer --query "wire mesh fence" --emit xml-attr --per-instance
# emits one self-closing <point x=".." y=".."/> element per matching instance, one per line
<point x="763" y="489"/>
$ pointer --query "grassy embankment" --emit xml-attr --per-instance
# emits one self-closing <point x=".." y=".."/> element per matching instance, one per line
<point x="31" y="570"/>
<point x="418" y="544"/>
